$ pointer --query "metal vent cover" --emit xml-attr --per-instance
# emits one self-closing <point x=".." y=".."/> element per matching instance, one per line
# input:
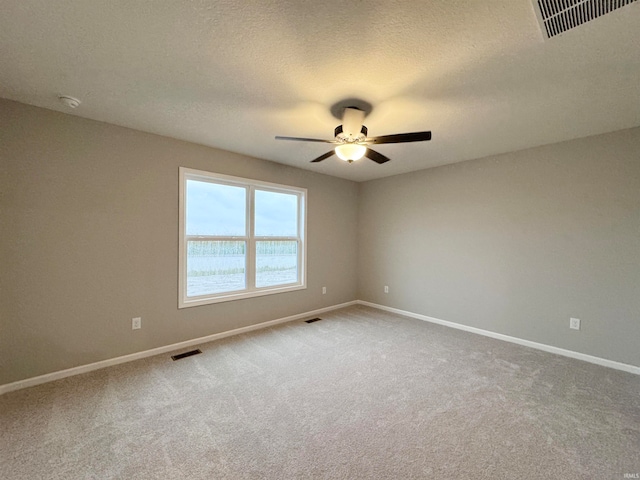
<point x="186" y="354"/>
<point x="558" y="16"/>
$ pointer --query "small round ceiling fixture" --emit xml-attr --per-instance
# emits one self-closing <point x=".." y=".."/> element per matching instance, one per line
<point x="69" y="101"/>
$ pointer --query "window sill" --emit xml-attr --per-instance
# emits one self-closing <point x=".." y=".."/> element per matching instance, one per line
<point x="197" y="301"/>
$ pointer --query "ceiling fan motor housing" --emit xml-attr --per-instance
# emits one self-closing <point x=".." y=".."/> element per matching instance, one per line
<point x="340" y="135"/>
<point x="352" y="119"/>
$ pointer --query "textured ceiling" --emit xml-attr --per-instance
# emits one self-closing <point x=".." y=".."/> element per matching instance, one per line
<point x="233" y="74"/>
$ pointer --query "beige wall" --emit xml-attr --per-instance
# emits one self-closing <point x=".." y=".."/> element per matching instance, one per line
<point x="515" y="244"/>
<point x="89" y="218"/>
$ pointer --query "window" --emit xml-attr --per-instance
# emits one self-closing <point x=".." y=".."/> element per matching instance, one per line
<point x="239" y="238"/>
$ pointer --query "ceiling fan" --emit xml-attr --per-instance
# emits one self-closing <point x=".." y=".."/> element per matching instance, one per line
<point x="351" y="141"/>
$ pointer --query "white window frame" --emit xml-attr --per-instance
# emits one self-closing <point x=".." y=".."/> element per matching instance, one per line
<point x="251" y="290"/>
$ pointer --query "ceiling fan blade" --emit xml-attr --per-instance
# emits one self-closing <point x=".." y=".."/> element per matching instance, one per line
<point x="375" y="156"/>
<point x="323" y="157"/>
<point x="400" y="138"/>
<point x="298" y="139"/>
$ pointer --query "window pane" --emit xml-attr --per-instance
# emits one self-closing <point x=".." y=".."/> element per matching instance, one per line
<point x="215" y="267"/>
<point x="276" y="263"/>
<point x="276" y="214"/>
<point x="214" y="209"/>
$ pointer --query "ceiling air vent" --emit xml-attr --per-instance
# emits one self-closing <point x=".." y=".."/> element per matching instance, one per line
<point x="558" y="16"/>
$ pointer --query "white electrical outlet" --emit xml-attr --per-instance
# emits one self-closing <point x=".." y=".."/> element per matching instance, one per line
<point x="324" y="290"/>
<point x="386" y="289"/>
<point x="136" y="323"/>
<point x="574" y="323"/>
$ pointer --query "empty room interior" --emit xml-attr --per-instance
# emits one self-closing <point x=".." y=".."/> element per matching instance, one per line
<point x="295" y="239"/>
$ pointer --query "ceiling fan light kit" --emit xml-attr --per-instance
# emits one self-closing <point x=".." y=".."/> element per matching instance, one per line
<point x="349" y="152"/>
<point x="352" y="142"/>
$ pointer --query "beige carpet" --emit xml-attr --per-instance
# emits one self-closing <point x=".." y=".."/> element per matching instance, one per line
<point x="360" y="394"/>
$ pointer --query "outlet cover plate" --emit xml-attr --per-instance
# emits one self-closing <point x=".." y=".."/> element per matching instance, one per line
<point x="574" y="323"/>
<point x="136" y="323"/>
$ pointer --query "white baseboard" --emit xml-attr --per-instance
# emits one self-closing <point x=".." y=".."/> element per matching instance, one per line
<point x="49" y="377"/>
<point x="527" y="343"/>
